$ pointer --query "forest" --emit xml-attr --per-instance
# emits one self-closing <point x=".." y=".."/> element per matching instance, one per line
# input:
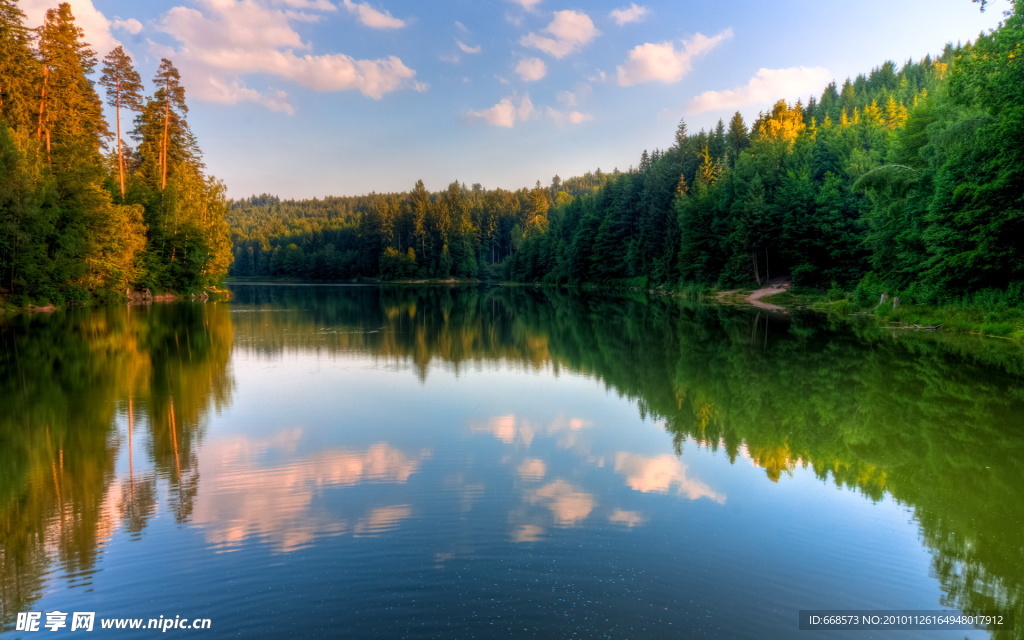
<point x="906" y="180"/>
<point x="84" y="215"/>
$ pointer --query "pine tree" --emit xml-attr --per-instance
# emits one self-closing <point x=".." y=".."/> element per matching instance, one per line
<point x="165" y="140"/>
<point x="124" y="90"/>
<point x="417" y="207"/>
<point x="18" y="68"/>
<point x="737" y="138"/>
<point x="70" y="117"/>
<point x="70" y="127"/>
<point x="681" y="135"/>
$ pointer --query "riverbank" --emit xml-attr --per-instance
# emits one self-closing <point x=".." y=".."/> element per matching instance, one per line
<point x="143" y="297"/>
<point x="992" y="321"/>
<point x="778" y="296"/>
<point x="352" y="281"/>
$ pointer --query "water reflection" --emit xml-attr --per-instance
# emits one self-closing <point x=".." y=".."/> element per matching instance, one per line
<point x="520" y="431"/>
<point x="77" y="388"/>
<point x="508" y="430"/>
<point x="567" y="503"/>
<point x="931" y="420"/>
<point x="107" y="417"/>
<point x="244" y="498"/>
<point x="532" y="469"/>
<point x="627" y="518"/>
<point x="662" y="474"/>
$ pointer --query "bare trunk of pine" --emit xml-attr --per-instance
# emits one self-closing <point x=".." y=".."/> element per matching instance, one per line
<point x="120" y="150"/>
<point x="42" y="103"/>
<point x="757" y="275"/>
<point x="164" y="146"/>
<point x="42" y="112"/>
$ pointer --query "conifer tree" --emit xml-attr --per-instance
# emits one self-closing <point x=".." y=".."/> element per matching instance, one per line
<point x="736" y="138"/>
<point x="124" y="90"/>
<point x="18" y="68"/>
<point x="165" y="140"/>
<point x="70" y="117"/>
<point x="70" y="127"/>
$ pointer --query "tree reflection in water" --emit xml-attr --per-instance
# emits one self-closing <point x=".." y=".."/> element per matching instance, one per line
<point x="929" y="420"/>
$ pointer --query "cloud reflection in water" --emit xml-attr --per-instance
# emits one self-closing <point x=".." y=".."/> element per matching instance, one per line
<point x="242" y="499"/>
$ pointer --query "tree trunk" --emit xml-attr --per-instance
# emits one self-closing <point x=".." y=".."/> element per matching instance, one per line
<point x="42" y="102"/>
<point x="42" y="112"/>
<point x="164" y="145"/>
<point x="120" y="149"/>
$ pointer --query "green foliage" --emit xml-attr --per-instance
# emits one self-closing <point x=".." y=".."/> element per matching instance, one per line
<point x="65" y="238"/>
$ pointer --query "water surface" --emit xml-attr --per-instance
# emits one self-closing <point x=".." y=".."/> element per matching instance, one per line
<point x="433" y="462"/>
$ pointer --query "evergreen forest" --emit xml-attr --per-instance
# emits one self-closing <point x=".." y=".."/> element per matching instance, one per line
<point x="83" y="214"/>
<point x="906" y="180"/>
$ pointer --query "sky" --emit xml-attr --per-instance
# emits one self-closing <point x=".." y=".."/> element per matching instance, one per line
<point x="308" y="98"/>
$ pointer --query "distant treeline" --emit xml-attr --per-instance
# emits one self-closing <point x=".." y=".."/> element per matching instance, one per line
<point x="463" y="231"/>
<point x="906" y="180"/>
<point x="82" y="214"/>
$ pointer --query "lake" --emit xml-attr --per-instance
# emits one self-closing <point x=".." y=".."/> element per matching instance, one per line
<point x="461" y="462"/>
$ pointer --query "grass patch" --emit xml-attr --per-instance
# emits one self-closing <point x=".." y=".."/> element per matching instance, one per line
<point x="978" y="315"/>
<point x="1007" y="322"/>
<point x="798" y="297"/>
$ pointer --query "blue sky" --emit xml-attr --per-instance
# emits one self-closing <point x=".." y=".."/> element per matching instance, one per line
<point x="306" y="98"/>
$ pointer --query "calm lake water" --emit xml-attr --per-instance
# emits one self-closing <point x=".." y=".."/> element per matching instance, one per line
<point x="361" y="462"/>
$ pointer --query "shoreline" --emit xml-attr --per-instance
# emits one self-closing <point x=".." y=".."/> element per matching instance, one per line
<point x="134" y="299"/>
<point x="776" y="297"/>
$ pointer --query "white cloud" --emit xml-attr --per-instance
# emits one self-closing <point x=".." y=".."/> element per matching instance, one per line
<point x="580" y="93"/>
<point x="94" y="24"/>
<point x="468" y="49"/>
<point x="231" y="26"/>
<point x="633" y="13"/>
<point x="224" y="40"/>
<point x="131" y="25"/>
<point x="650" y="62"/>
<point x="371" y="17"/>
<point x="506" y="114"/>
<point x="568" y="117"/>
<point x="531" y="69"/>
<point x="529" y="5"/>
<point x="320" y="5"/>
<point x="767" y="86"/>
<point x="221" y="91"/>
<point x="569" y="31"/>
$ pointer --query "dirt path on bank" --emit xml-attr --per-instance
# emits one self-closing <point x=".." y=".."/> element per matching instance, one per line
<point x="774" y="287"/>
